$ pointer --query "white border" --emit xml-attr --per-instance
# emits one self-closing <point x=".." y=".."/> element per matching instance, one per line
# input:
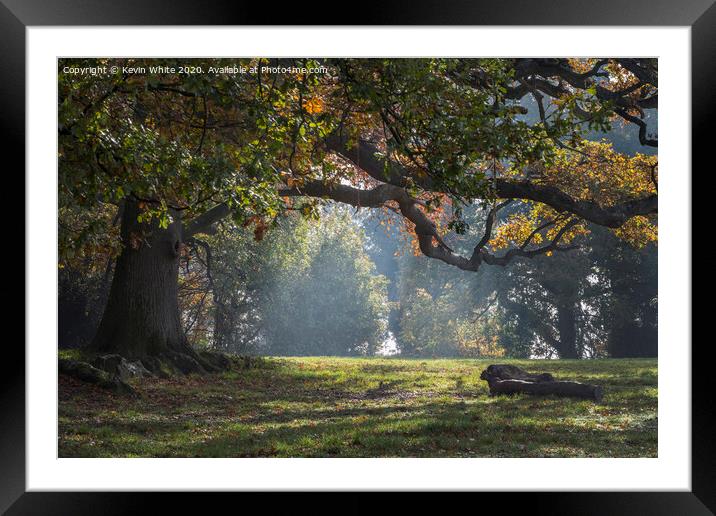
<point x="671" y="470"/>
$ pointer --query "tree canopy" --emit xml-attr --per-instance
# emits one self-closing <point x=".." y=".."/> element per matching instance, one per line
<point x="421" y="137"/>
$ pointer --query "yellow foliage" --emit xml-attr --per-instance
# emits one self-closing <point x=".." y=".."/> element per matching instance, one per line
<point x="480" y="347"/>
<point x="313" y="106"/>
<point x="638" y="231"/>
<point x="596" y="173"/>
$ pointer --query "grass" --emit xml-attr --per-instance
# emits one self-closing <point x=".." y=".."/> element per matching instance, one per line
<point x="363" y="407"/>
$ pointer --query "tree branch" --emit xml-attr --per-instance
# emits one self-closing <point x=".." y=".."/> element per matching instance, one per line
<point x="489" y="223"/>
<point x="364" y="155"/>
<point x="425" y="229"/>
<point x="204" y="222"/>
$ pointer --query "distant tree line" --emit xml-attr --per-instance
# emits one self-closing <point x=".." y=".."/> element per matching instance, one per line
<point x="339" y="284"/>
<point x="599" y="301"/>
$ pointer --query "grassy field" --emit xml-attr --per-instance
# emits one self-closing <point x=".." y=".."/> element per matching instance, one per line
<point x="374" y="407"/>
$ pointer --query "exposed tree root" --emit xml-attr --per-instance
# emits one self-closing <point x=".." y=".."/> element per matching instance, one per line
<point x="184" y="363"/>
<point x="173" y="362"/>
<point x="219" y="361"/>
<point x="120" y="366"/>
<point x="90" y="374"/>
<point x="111" y="371"/>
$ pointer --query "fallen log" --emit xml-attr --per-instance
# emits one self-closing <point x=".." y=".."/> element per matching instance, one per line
<point x="510" y="372"/>
<point x="558" y="388"/>
<point x="508" y="379"/>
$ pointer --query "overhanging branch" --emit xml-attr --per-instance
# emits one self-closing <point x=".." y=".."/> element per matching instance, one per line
<point x="204" y="222"/>
<point x="366" y="156"/>
<point x="430" y="242"/>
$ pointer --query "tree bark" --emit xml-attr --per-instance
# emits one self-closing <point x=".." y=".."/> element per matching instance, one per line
<point x="558" y="388"/>
<point x="567" y="327"/>
<point x="223" y="325"/>
<point x="90" y="374"/>
<point x="510" y="372"/>
<point x="141" y="319"/>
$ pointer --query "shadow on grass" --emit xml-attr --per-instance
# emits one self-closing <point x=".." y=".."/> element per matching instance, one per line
<point x="424" y="430"/>
<point x="294" y="409"/>
<point x="505" y="428"/>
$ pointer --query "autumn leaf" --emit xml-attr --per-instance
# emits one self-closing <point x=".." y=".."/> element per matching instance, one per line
<point x="313" y="106"/>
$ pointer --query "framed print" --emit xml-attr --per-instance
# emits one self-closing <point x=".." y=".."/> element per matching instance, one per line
<point x="415" y="250"/>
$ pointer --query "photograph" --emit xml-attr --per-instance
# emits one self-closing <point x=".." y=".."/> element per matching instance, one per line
<point x="282" y="252"/>
<point x="358" y="257"/>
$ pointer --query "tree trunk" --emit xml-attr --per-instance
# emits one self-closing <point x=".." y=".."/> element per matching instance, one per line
<point x="141" y="319"/>
<point x="567" y="327"/>
<point x="223" y="324"/>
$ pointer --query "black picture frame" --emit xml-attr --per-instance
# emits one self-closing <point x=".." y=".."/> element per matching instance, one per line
<point x="17" y="15"/>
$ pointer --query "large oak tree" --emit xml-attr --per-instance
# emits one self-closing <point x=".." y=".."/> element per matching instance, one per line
<point x="174" y="154"/>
